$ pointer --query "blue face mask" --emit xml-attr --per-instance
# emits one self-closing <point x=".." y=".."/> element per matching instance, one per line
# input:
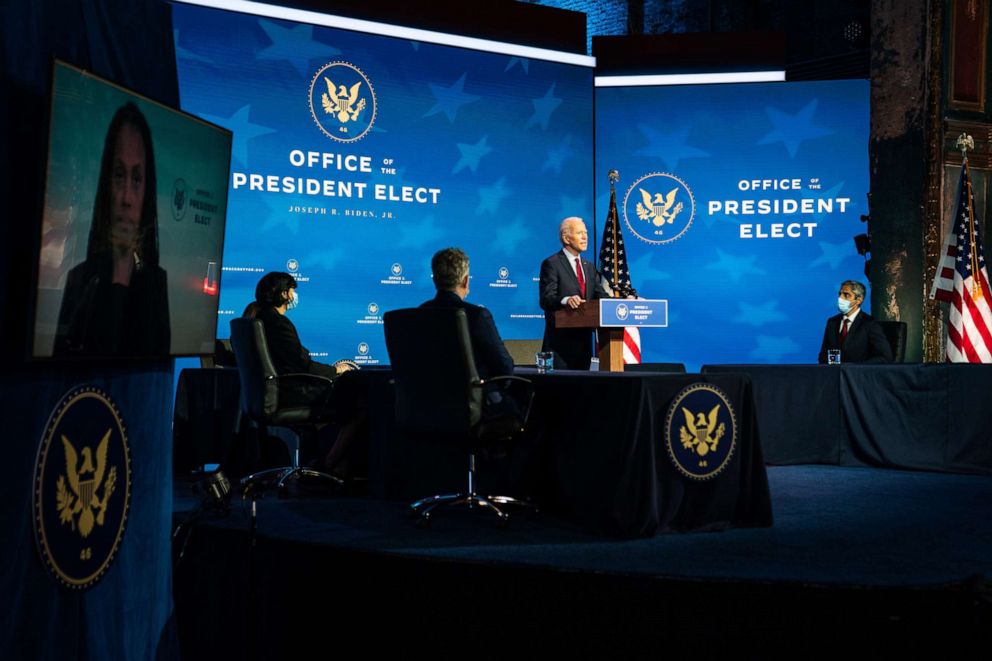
<point x="294" y="300"/>
<point x="843" y="305"/>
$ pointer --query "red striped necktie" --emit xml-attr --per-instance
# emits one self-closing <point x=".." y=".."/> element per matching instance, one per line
<point x="582" y="278"/>
<point x="843" y="330"/>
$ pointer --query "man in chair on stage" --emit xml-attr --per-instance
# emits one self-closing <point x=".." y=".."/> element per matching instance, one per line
<point x="450" y="270"/>
<point x="568" y="281"/>
<point x="859" y="337"/>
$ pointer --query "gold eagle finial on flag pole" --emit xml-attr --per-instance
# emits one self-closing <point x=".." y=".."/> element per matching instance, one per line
<point x="964" y="143"/>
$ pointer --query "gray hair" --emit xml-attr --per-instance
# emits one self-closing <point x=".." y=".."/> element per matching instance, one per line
<point x="564" y="229"/>
<point x="856" y="287"/>
<point x="449" y="267"/>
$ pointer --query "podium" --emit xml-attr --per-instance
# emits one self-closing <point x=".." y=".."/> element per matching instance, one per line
<point x="610" y="316"/>
<point x="587" y="315"/>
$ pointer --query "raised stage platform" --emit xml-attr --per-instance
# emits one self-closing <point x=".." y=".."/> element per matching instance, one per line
<point x="858" y="557"/>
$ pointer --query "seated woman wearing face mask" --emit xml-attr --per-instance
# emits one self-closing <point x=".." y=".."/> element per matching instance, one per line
<point x="274" y="295"/>
<point x="347" y="457"/>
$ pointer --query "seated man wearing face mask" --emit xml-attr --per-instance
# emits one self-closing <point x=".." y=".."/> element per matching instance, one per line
<point x="858" y="336"/>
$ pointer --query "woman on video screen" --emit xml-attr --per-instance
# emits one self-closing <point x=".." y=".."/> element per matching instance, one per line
<point x="116" y="301"/>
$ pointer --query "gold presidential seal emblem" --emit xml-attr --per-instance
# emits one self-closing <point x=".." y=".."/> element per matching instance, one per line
<point x="82" y="487"/>
<point x="659" y="208"/>
<point x="342" y="101"/>
<point x="700" y="431"/>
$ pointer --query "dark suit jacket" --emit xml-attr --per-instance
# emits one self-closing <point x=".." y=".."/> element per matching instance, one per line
<point x="99" y="318"/>
<point x="558" y="280"/>
<point x="865" y="341"/>
<point x="491" y="357"/>
<point x="287" y="352"/>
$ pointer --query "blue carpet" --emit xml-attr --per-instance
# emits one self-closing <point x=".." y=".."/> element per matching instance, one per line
<point x="833" y="527"/>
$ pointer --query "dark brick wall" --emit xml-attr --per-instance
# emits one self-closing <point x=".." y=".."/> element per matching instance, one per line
<point x="603" y="18"/>
<point x="818" y="32"/>
<point x="898" y="148"/>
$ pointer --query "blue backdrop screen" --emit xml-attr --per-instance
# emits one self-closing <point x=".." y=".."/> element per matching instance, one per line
<point x="357" y="156"/>
<point x="739" y="204"/>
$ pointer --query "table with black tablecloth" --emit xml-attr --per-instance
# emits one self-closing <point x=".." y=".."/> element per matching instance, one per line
<point x="594" y="453"/>
<point x="915" y="416"/>
<point x="205" y="417"/>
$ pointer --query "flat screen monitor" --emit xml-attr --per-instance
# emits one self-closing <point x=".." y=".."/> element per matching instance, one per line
<point x="133" y="225"/>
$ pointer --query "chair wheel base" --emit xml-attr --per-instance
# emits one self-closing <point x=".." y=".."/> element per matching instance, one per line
<point x="280" y="478"/>
<point x="424" y="509"/>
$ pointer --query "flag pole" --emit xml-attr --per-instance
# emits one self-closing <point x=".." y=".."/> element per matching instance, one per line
<point x="962" y="279"/>
<point x="964" y="143"/>
<point x="614" y="178"/>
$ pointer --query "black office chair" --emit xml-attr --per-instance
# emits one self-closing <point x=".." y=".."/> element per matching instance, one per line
<point x="439" y="395"/>
<point x="267" y="401"/>
<point x="895" y="333"/>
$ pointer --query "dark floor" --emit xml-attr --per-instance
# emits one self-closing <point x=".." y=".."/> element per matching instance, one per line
<point x="890" y="554"/>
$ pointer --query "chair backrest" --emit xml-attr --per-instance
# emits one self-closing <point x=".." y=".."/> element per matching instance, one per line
<point x="895" y="333"/>
<point x="259" y="385"/>
<point x="430" y="353"/>
<point x="522" y="351"/>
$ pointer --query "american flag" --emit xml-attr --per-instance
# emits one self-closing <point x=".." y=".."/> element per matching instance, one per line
<point x="613" y="267"/>
<point x="963" y="281"/>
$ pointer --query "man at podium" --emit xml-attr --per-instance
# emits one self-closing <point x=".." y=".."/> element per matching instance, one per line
<point x="568" y="281"/>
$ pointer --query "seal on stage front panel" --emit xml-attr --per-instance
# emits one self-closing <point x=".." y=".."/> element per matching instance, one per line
<point x="700" y="431"/>
<point x="82" y="487"/>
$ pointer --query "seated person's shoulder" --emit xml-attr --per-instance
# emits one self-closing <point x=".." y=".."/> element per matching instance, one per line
<point x="270" y="316"/>
<point x="473" y="311"/>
